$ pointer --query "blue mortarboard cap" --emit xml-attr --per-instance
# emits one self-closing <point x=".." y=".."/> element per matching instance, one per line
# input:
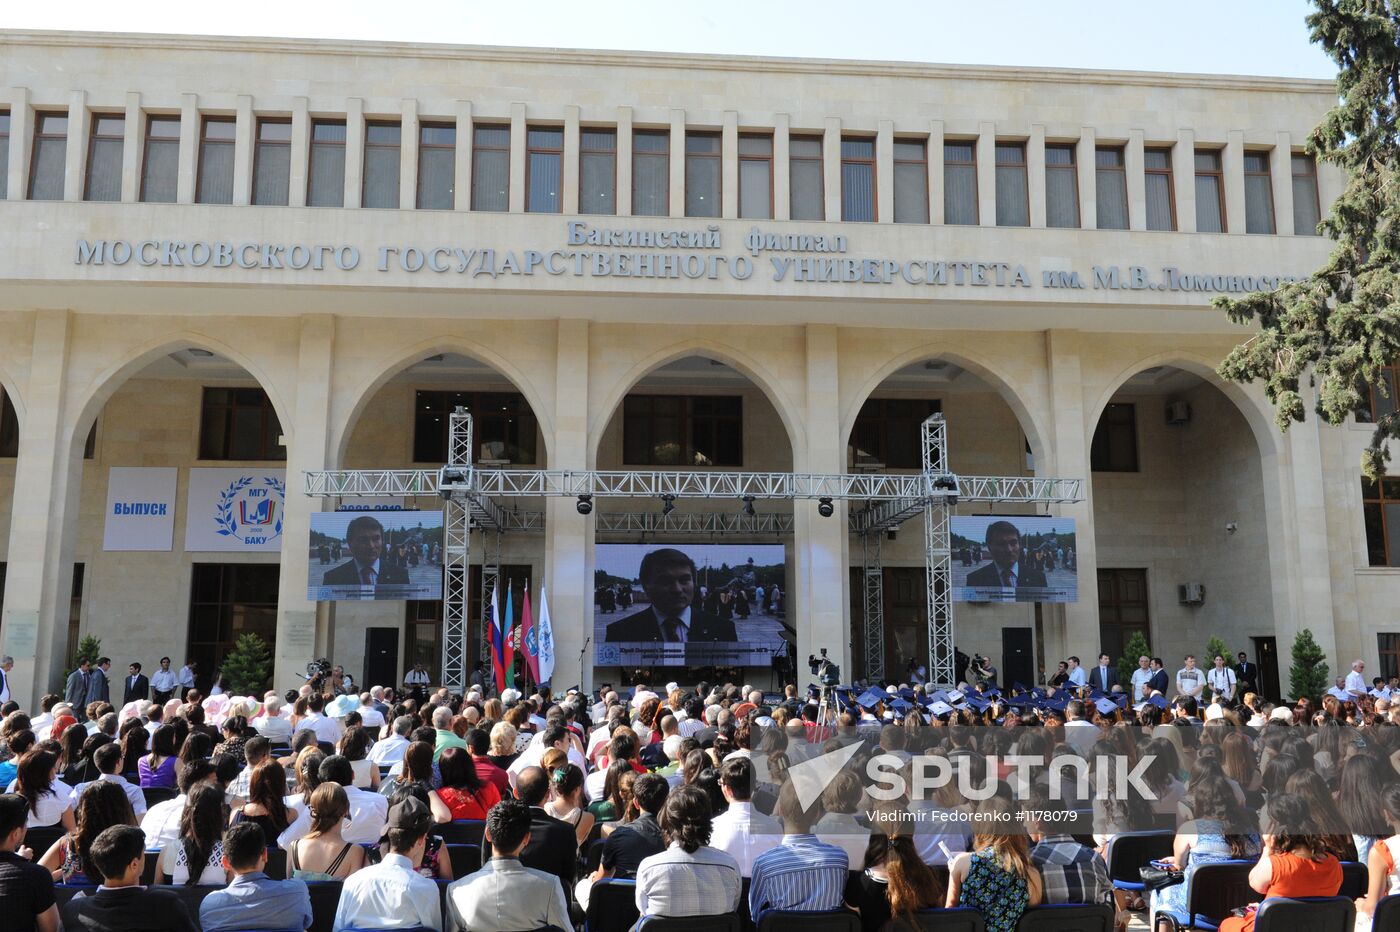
<point x="1039" y="693"/>
<point x="956" y="696"/>
<point x="942" y="708"/>
<point x="1120" y="698"/>
<point x="871" y="698"/>
<point x="1096" y="693"/>
<point x="1019" y="686"/>
<point x="992" y="691"/>
<point x="1021" y="702"/>
<point x="1055" y="703"/>
<point x="1106" y="706"/>
<point x="906" y="694"/>
<point x="1159" y="701"/>
<point x="940" y="696"/>
<point x="901" y="706"/>
<point x="978" y="704"/>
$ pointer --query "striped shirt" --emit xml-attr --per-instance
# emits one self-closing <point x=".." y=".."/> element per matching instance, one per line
<point x="801" y="874"/>
<point x="1072" y="873"/>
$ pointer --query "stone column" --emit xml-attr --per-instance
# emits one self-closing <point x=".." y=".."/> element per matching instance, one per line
<point x="729" y="166"/>
<point x="1184" y="180"/>
<point x="884" y="172"/>
<point x="308" y="449"/>
<point x="1068" y="456"/>
<point x="133" y="131"/>
<point x="408" y="155"/>
<point x="568" y="202"/>
<point x="1232" y="162"/>
<point x="1085" y="158"/>
<point x="1134" y="166"/>
<point x="624" y="162"/>
<point x="354" y="151"/>
<point x="782" y="168"/>
<point x="1281" y="178"/>
<point x="831" y="168"/>
<point x="189" y="148"/>
<point x="516" y="190"/>
<point x="677" y="163"/>
<point x="43" y="522"/>
<point x="568" y="556"/>
<point x="74" y="179"/>
<point x="462" y="158"/>
<point x="1035" y="175"/>
<point x="987" y="174"/>
<point x="300" y="153"/>
<point x="21" y="143"/>
<point x="244" y="136"/>
<point x="935" y="172"/>
<point x="819" y="591"/>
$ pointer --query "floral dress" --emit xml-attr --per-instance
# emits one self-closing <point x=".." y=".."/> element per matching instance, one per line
<point x="999" y="895"/>
<point x="1210" y="848"/>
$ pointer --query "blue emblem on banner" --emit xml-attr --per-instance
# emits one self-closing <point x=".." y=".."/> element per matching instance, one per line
<point x="250" y="509"/>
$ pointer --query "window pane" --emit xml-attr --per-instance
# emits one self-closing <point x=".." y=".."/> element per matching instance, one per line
<point x="857" y="191"/>
<point x="858" y="149"/>
<point x="959" y="192"/>
<point x="215" y="171"/>
<point x="437" y="175"/>
<point x="1208" y="161"/>
<point x="1305" y="207"/>
<point x="49" y="156"/>
<point x="1374" y="515"/>
<point x="1159" y="201"/>
<point x="1258" y="204"/>
<point x="702" y="143"/>
<point x="756" y="145"/>
<point x="651" y="183"/>
<point x="381" y="169"/>
<point x="326" y="178"/>
<point x="543" y="194"/>
<point x="1061" y="197"/>
<point x="1111" y="193"/>
<point x="1157" y="159"/>
<point x="701" y="180"/>
<point x="274" y="131"/>
<point x="597" y="179"/>
<point x="4" y="177"/>
<point x="272" y="175"/>
<point x="1013" y="206"/>
<point x="1208" y="204"/>
<point x="911" y="191"/>
<point x="1392" y="534"/>
<point x="1059" y="155"/>
<point x="104" y="171"/>
<point x="491" y="179"/>
<point x="160" y="171"/>
<point x="755" y="189"/>
<point x="805" y="189"/>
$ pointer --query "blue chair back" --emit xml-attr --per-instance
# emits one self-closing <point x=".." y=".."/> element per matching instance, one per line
<point x="612" y="906"/>
<point x="1128" y="852"/>
<point x="325" y="898"/>
<point x="1212" y="891"/>
<point x="961" y="919"/>
<point x="462" y="832"/>
<point x="785" y="920"/>
<point x="1355" y="879"/>
<point x="1310" y="914"/>
<point x="1066" y="917"/>
<point x="725" y="922"/>
<point x="1386" y="919"/>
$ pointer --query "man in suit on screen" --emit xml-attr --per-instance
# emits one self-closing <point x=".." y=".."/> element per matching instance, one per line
<point x="668" y="577"/>
<point x="365" y="566"/>
<point x="1005" y="571"/>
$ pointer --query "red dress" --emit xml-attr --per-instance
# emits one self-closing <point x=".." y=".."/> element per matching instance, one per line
<point x="466" y="805"/>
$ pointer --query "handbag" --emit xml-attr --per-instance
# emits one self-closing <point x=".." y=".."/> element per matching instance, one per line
<point x="1157" y="878"/>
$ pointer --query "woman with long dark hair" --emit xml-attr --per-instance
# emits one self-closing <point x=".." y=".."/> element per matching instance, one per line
<point x="50" y="799"/>
<point x="1221" y="830"/>
<point x="1295" y="862"/>
<point x="102" y="805"/>
<point x="612" y="805"/>
<point x="134" y="738"/>
<point x="354" y="746"/>
<point x="894" y="882"/>
<point x="566" y="793"/>
<point x="996" y="877"/>
<point x="266" y="805"/>
<point x="1361" y="799"/>
<point x="464" y="793"/>
<point x="74" y="765"/>
<point x="158" y="769"/>
<point x="196" y="857"/>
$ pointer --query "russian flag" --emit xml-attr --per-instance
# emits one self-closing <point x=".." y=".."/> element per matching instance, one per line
<point x="498" y="641"/>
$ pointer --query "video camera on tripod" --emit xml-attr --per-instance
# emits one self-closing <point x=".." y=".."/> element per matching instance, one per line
<point x="826" y="672"/>
<point x="317" y="672"/>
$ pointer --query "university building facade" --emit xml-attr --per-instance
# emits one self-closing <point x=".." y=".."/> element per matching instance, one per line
<point x="302" y="256"/>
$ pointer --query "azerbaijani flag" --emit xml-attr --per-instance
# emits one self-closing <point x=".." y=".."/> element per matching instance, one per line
<point x="498" y="641"/>
<point x="528" y="636"/>
<point x="507" y="629"/>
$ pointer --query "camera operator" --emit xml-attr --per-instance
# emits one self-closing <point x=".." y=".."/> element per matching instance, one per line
<point x="416" y="681"/>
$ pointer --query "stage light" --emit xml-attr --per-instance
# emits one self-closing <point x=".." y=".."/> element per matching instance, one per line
<point x="585" y="504"/>
<point x="668" y="503"/>
<point x="825" y="508"/>
<point x="748" y="506"/>
<point x="947" y="484"/>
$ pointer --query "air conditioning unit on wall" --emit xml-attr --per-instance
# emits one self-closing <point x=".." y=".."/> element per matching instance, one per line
<point x="1178" y="413"/>
<point x="1191" y="593"/>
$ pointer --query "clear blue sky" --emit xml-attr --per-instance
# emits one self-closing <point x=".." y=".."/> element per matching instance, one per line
<point x="1218" y="36"/>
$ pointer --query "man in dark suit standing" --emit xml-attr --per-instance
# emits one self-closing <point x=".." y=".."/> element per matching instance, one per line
<point x="1158" y="683"/>
<point x="1105" y="676"/>
<point x="98" y="689"/>
<point x="136" y="686"/>
<point x="1247" y="675"/>
<point x="1005" y="571"/>
<point x="366" y="567"/>
<point x="668" y="577"/>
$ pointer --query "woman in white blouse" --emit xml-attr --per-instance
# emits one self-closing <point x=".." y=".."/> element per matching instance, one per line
<point x="50" y="799"/>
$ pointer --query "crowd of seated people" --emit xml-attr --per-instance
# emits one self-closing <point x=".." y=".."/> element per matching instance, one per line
<point x="687" y="797"/>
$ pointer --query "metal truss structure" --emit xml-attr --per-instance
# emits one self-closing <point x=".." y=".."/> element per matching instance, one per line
<point x="473" y="500"/>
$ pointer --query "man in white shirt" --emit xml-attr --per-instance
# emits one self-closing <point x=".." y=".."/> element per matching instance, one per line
<point x="1079" y="734"/>
<point x="640" y="695"/>
<point x="1222" y="680"/>
<point x="741" y="830"/>
<point x="108" y="759"/>
<point x="7" y="663"/>
<point x="368" y="811"/>
<point x="185" y="678"/>
<point x="1141" y="677"/>
<point x="155" y="717"/>
<point x="326" y="729"/>
<point x="369" y="715"/>
<point x="554" y="736"/>
<point x="392" y="893"/>
<point x="1356" y="682"/>
<point x="1189" y="681"/>
<point x="1077" y="676"/>
<point x="416" y="681"/>
<point x="1339" y="690"/>
<point x="163" y="682"/>
<point x="390" y="750"/>
<point x="162" y="821"/>
<point x="271" y="725"/>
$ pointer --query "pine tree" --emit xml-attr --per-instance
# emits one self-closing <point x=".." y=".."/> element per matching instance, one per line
<point x="1337" y="327"/>
<point x="89" y="646"/>
<point x="1309" y="674"/>
<point x="1136" y="647"/>
<point x="247" y="667"/>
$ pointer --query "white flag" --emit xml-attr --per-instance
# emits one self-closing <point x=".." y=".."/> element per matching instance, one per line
<point x="546" y="640"/>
